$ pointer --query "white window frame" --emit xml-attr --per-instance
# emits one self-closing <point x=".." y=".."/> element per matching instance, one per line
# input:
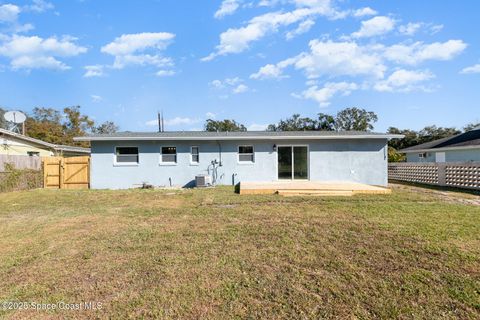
<point x="194" y="163"/>
<point x="168" y="163"/>
<point x="253" y="154"/>
<point x="422" y="155"/>
<point x="125" y="164"/>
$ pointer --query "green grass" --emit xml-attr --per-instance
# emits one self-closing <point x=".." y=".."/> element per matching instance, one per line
<point x="215" y="254"/>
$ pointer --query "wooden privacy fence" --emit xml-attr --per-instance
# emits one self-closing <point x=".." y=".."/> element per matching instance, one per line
<point x="447" y="174"/>
<point x="66" y="173"/>
<point x="20" y="162"/>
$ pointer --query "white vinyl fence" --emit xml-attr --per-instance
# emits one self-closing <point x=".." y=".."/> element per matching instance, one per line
<point x="20" y="162"/>
<point x="448" y="174"/>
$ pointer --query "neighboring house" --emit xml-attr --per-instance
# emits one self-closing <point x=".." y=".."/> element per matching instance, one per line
<point x="12" y="143"/>
<point x="464" y="147"/>
<point x="128" y="159"/>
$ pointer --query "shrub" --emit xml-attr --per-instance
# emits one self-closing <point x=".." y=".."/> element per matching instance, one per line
<point x="19" y="179"/>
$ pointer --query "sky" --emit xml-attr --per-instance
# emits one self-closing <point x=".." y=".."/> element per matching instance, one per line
<point x="414" y="63"/>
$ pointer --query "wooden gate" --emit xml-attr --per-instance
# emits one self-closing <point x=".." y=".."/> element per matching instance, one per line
<point x="66" y="173"/>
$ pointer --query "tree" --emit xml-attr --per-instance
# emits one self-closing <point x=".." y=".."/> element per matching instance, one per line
<point x="51" y="125"/>
<point x="471" y="126"/>
<point x="294" y="123"/>
<point x="106" y="128"/>
<point x="326" y="122"/>
<point x="394" y="156"/>
<point x="76" y="124"/>
<point x="3" y="122"/>
<point x="355" y="119"/>
<point x="45" y="124"/>
<point x="411" y="138"/>
<point x="223" y="125"/>
<point x="431" y="133"/>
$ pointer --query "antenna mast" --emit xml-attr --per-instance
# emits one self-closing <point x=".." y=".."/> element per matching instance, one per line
<point x="159" y="122"/>
<point x="163" y="124"/>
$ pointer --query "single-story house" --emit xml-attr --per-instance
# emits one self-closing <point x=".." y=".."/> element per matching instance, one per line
<point x="128" y="159"/>
<point x="464" y="147"/>
<point x="12" y="143"/>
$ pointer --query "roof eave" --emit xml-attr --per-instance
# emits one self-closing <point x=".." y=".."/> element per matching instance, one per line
<point x="314" y="137"/>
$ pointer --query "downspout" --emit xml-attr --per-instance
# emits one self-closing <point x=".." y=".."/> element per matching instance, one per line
<point x="219" y="153"/>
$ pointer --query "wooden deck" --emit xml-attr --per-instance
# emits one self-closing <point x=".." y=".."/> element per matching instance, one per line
<point x="311" y="188"/>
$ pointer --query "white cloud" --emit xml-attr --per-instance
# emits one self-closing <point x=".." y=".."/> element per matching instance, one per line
<point x="338" y="59"/>
<point x="141" y="49"/>
<point x="177" y="121"/>
<point x="241" y="88"/>
<point x="419" y="52"/>
<point x="257" y="127"/>
<point x="217" y="84"/>
<point x="271" y="71"/>
<point x="404" y="81"/>
<point x="233" y="81"/>
<point x="40" y="62"/>
<point x="234" y="84"/>
<point x="34" y="52"/>
<point x="181" y="121"/>
<point x="94" y="71"/>
<point x="376" y="26"/>
<point x="410" y="28"/>
<point x="328" y="91"/>
<point x="472" y="69"/>
<point x="9" y="13"/>
<point x="39" y="6"/>
<point x="436" y="28"/>
<point x="227" y="7"/>
<point x="165" y="73"/>
<point x="236" y="40"/>
<point x="362" y="12"/>
<point x="331" y="59"/>
<point x="156" y="60"/>
<point x="210" y="115"/>
<point x="131" y="43"/>
<point x="303" y="27"/>
<point x="96" y="98"/>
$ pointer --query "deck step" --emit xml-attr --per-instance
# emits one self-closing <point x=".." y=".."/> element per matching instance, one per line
<point x="334" y="193"/>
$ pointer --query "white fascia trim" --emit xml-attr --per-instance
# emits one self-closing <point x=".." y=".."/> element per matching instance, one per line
<point x="237" y="138"/>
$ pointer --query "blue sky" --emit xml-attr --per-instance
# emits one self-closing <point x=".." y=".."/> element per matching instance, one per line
<point x="414" y="63"/>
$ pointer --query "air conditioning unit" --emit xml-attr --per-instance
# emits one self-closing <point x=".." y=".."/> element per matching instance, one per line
<point x="203" y="180"/>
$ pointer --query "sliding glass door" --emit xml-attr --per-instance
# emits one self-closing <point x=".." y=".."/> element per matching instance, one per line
<point x="292" y="162"/>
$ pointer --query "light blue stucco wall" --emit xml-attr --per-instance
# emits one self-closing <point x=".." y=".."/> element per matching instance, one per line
<point x="465" y="155"/>
<point x="362" y="161"/>
<point x="413" y="157"/>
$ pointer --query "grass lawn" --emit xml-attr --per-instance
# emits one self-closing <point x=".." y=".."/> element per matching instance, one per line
<point x="214" y="254"/>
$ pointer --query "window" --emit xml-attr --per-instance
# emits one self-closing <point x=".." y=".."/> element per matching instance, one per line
<point x="422" y="155"/>
<point x="245" y="154"/>
<point x="126" y="155"/>
<point x="33" y="153"/>
<point x="195" y="155"/>
<point x="169" y="154"/>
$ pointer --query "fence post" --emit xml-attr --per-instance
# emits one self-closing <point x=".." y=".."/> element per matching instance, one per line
<point x="61" y="173"/>
<point x="442" y="181"/>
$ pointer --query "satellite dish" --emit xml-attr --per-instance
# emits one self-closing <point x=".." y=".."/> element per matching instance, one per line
<point x="16" y="117"/>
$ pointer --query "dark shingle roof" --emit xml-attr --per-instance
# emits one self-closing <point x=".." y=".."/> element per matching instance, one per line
<point x="467" y="139"/>
<point x="205" y="135"/>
